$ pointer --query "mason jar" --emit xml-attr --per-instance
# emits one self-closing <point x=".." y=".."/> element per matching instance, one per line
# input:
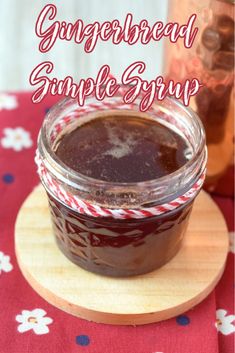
<point x="114" y="228"/>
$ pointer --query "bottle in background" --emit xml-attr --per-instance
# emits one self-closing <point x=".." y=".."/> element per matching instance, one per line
<point x="211" y="60"/>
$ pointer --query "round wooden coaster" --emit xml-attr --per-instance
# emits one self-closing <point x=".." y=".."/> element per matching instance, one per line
<point x="173" y="289"/>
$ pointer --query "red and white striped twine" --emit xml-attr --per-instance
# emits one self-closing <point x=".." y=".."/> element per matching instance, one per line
<point x="91" y="209"/>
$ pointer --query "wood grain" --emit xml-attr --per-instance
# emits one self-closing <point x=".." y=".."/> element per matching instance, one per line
<point x="178" y="286"/>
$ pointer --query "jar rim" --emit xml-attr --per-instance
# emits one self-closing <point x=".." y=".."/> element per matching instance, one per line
<point x="78" y="180"/>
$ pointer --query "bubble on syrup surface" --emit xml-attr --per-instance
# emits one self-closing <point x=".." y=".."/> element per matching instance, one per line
<point x="121" y="146"/>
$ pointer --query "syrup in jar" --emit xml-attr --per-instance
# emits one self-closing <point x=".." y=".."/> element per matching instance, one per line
<point x="123" y="149"/>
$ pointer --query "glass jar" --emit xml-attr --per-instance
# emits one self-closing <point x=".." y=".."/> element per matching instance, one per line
<point x="211" y="60"/>
<point x="106" y="244"/>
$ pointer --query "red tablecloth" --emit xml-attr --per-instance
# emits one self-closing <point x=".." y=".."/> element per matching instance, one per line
<point x="30" y="325"/>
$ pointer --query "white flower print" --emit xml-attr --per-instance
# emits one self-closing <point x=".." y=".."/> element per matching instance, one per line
<point x="231" y="242"/>
<point x="34" y="320"/>
<point x="5" y="264"/>
<point x="8" y="102"/>
<point x="17" y="139"/>
<point x="224" y="322"/>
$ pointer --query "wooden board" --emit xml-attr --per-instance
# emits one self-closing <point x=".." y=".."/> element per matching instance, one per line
<point x="173" y="289"/>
